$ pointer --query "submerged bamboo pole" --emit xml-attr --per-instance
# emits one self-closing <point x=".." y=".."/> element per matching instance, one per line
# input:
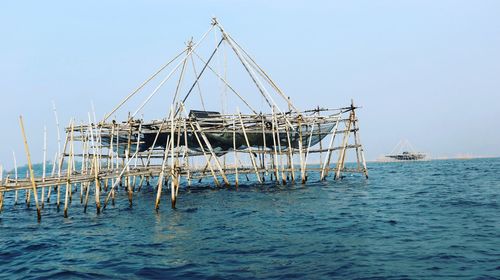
<point x="32" y="174"/>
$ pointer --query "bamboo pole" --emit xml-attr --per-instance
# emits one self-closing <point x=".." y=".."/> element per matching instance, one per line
<point x="44" y="164"/>
<point x="249" y="149"/>
<point x="87" y="188"/>
<point x="16" y="177"/>
<point x="186" y="152"/>
<point x="173" y="174"/>
<point x="214" y="156"/>
<point x="307" y="151"/>
<point x="127" y="154"/>
<point x="32" y="175"/>
<point x="359" y="148"/>
<point x="235" y="154"/>
<point x="205" y="154"/>
<point x="162" y="174"/>
<point x="118" y="180"/>
<point x="302" y="171"/>
<point x="283" y="176"/>
<point x="326" y="164"/>
<point x="261" y="155"/>
<point x="28" y="191"/>
<point x="340" y="162"/>
<point x="59" y="172"/>
<point x="69" y="171"/>
<point x="84" y="162"/>
<point x="137" y="154"/>
<point x="276" y="168"/>
<point x="52" y="176"/>
<point x="290" y="154"/>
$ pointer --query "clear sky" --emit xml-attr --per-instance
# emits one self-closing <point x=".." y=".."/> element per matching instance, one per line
<point x="426" y="71"/>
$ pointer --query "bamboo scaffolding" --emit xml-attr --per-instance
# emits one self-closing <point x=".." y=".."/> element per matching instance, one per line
<point x="186" y="147"/>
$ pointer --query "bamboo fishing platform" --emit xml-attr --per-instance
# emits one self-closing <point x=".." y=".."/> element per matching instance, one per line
<point x="190" y="146"/>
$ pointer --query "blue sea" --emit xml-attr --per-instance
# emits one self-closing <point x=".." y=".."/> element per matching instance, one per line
<point x="409" y="220"/>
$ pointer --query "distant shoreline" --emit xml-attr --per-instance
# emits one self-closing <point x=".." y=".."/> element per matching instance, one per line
<point x="437" y="158"/>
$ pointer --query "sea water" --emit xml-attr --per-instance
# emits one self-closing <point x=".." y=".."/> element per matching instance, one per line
<point x="409" y="220"/>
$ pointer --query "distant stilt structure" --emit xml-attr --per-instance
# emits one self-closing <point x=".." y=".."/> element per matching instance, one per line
<point x="188" y="146"/>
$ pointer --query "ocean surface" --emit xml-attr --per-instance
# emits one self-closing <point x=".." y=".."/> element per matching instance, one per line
<point x="410" y="220"/>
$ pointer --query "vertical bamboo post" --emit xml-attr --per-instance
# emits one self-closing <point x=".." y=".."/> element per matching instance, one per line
<point x="127" y="155"/>
<point x="290" y="154"/>
<point x="44" y="164"/>
<point x="307" y="151"/>
<point x="359" y="148"/>
<point x="162" y="174"/>
<point x="69" y="171"/>
<point x="84" y="162"/>
<point x="97" y="186"/>
<point x="340" y="162"/>
<point x="96" y="168"/>
<point x="235" y="154"/>
<point x="59" y="172"/>
<point x="283" y="176"/>
<point x="264" y="146"/>
<point x="16" y="177"/>
<point x="32" y="175"/>
<point x="186" y="151"/>
<point x="52" y="176"/>
<point x="109" y="162"/>
<point x="28" y="191"/>
<point x="73" y="163"/>
<point x="137" y="154"/>
<point x="321" y="139"/>
<point x="87" y="188"/>
<point x="302" y="171"/>
<point x="173" y="171"/>
<point x="273" y="128"/>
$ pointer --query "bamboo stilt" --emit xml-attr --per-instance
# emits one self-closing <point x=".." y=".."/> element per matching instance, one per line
<point x="250" y="149"/>
<point x="32" y="175"/>
<point x="235" y="154"/>
<point x="16" y="177"/>
<point x="326" y="164"/>
<point x="69" y="171"/>
<point x="44" y="164"/>
<point x="302" y="170"/>
<point x="340" y="162"/>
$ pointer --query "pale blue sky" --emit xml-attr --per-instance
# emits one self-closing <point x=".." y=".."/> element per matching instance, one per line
<point x="427" y="71"/>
